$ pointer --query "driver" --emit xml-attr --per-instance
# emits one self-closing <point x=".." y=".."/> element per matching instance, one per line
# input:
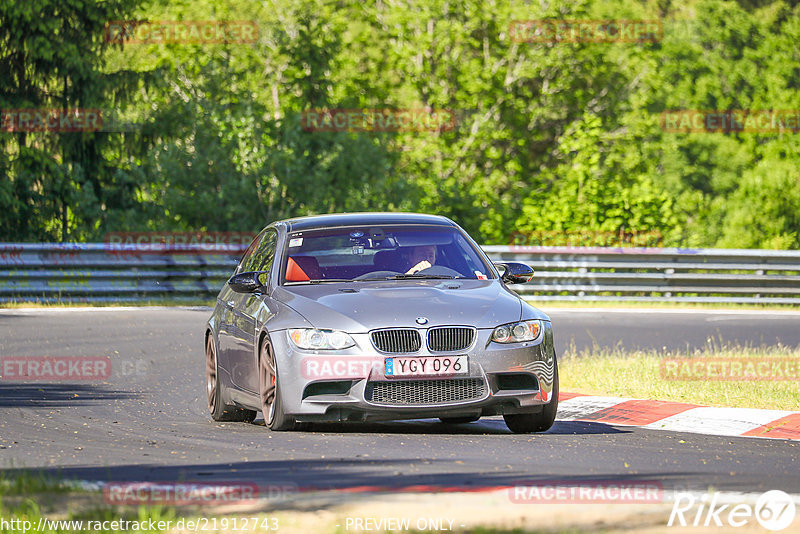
<point x="421" y="257"/>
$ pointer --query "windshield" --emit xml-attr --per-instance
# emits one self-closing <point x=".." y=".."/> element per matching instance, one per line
<point x="381" y="253"/>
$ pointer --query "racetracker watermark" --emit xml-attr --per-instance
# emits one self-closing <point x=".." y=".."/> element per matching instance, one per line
<point x="774" y="510"/>
<point x="354" y="367"/>
<point x="193" y="493"/>
<point x="337" y="367"/>
<point x="568" y="491"/>
<point x="48" y="368"/>
<point x="586" y="31"/>
<point x="50" y="120"/>
<point x="378" y="120"/>
<point x="733" y="369"/>
<point x="730" y="121"/>
<point x="128" y="32"/>
<point x="11" y="254"/>
<point x="177" y="242"/>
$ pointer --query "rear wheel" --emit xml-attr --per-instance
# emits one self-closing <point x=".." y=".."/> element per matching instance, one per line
<point x="459" y="420"/>
<point x="525" y="423"/>
<point x="268" y="387"/>
<point x="218" y="410"/>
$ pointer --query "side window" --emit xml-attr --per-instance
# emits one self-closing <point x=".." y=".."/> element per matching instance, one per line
<point x="261" y="259"/>
<point x="248" y="254"/>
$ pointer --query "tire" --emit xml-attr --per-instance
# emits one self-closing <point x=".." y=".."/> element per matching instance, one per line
<point x="459" y="420"/>
<point x="269" y="390"/>
<point x="526" y="423"/>
<point x="218" y="410"/>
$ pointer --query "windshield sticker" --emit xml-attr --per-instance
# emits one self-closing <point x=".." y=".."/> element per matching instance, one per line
<point x="296" y="242"/>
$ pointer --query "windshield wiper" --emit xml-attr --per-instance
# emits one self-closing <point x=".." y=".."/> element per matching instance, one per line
<point x="320" y="281"/>
<point x="421" y="276"/>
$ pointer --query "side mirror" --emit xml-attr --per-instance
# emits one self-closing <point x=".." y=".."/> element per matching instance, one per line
<point x="246" y="282"/>
<point x="515" y="272"/>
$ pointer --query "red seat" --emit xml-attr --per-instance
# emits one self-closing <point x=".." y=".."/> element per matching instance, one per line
<point x="302" y="268"/>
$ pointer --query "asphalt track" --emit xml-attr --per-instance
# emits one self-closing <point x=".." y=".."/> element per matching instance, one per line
<point x="149" y="421"/>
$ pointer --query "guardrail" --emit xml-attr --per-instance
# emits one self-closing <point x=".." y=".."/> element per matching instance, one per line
<point x="658" y="274"/>
<point x="97" y="272"/>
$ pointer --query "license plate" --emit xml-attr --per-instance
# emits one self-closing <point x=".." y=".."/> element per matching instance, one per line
<point x="428" y="366"/>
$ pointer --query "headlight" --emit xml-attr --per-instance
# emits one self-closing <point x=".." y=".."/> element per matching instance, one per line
<point x="517" y="332"/>
<point x="313" y="339"/>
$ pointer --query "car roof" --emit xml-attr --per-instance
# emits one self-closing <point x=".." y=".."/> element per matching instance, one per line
<point x="358" y="219"/>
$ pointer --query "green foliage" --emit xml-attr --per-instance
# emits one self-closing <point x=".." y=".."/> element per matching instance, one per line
<point x="562" y="137"/>
<point x="51" y="52"/>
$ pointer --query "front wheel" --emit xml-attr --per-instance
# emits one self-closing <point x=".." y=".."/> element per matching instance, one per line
<point x="268" y="387"/>
<point x="525" y="423"/>
<point x="220" y="411"/>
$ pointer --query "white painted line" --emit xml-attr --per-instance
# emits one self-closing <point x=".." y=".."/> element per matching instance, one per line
<point x="578" y="407"/>
<point x="718" y="421"/>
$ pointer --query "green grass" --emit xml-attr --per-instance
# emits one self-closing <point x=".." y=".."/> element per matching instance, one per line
<point x="31" y="496"/>
<point x="27" y="482"/>
<point x="639" y="374"/>
<point x="28" y="510"/>
<point x="144" y="302"/>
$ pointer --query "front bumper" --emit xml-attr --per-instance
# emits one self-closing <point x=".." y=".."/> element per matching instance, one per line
<point x="332" y="386"/>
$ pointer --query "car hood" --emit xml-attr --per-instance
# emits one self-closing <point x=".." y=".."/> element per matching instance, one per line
<point x="358" y="307"/>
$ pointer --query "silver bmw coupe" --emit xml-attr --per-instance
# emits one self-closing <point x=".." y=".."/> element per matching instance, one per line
<point x="377" y="316"/>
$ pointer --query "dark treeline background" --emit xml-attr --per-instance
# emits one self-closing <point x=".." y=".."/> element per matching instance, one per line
<point x="559" y="138"/>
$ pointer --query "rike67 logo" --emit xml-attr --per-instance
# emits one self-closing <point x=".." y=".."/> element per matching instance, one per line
<point x="774" y="510"/>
